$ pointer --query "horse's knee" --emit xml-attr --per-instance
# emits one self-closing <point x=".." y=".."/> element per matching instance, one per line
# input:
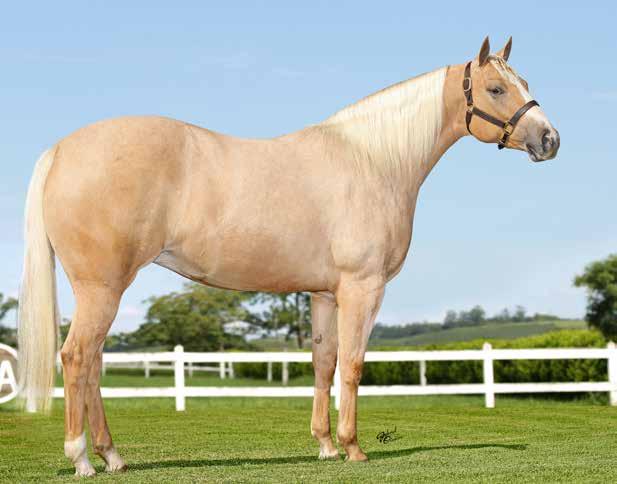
<point x="351" y="372"/>
<point x="325" y="369"/>
<point x="324" y="366"/>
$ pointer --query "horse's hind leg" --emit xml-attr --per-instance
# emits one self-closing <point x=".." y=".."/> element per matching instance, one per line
<point x="99" y="430"/>
<point x="323" y="310"/>
<point x="97" y="304"/>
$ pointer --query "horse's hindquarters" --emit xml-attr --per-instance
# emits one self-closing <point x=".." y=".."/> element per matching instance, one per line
<point x="107" y="197"/>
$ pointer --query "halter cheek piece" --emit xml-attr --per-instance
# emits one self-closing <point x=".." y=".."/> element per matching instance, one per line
<point x="507" y="126"/>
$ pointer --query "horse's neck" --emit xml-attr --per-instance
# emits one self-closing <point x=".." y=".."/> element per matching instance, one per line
<point x="400" y="133"/>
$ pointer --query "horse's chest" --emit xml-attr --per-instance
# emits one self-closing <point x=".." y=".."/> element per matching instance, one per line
<point x="373" y="246"/>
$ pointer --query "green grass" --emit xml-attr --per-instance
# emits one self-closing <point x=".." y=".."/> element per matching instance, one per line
<point x="486" y="331"/>
<point x="442" y="439"/>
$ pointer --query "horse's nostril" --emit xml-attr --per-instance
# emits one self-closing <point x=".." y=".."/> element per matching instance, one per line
<point x="547" y="140"/>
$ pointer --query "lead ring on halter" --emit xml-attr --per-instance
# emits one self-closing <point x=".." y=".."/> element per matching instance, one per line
<point x="506" y="126"/>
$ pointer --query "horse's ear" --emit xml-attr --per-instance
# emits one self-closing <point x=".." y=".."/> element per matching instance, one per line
<point x="485" y="50"/>
<point x="505" y="52"/>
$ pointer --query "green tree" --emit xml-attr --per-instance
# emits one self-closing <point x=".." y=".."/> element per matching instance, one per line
<point x="194" y="318"/>
<point x="477" y="315"/>
<point x="504" y="316"/>
<point x="290" y="311"/>
<point x="451" y="318"/>
<point x="600" y="279"/>
<point x="520" y="314"/>
<point x="8" y="336"/>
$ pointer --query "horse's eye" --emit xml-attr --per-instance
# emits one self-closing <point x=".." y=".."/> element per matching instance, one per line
<point x="496" y="91"/>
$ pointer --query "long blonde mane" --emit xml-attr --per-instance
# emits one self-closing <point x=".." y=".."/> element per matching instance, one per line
<point x="395" y="128"/>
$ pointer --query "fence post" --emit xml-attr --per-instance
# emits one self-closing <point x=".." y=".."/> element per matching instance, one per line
<point x="285" y="373"/>
<point x="487" y="367"/>
<point x="179" y="378"/>
<point x="337" y="386"/>
<point x="269" y="371"/>
<point x="612" y="372"/>
<point x="231" y="370"/>
<point x="423" y="373"/>
<point x="147" y="368"/>
<point x="222" y="370"/>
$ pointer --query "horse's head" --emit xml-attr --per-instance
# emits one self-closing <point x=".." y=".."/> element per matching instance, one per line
<point x="500" y="108"/>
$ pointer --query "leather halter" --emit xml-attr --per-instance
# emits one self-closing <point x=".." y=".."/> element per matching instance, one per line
<point x="507" y="126"/>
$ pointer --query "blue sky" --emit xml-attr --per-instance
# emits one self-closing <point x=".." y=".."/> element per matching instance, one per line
<point x="491" y="227"/>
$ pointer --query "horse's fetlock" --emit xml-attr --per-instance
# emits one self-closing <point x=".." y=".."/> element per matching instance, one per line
<point x="101" y="449"/>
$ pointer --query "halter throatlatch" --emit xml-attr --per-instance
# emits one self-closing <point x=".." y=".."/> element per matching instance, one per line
<point x="507" y="126"/>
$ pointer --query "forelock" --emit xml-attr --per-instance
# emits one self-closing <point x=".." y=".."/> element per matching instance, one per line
<point x="509" y="74"/>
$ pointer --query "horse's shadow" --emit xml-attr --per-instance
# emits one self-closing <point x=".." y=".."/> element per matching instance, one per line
<point x="231" y="462"/>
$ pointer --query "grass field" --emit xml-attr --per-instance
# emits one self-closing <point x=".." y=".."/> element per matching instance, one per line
<point x="440" y="439"/>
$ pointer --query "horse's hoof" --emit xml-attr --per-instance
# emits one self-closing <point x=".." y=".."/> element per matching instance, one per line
<point x="85" y="470"/>
<point x="358" y="456"/>
<point x="328" y="454"/>
<point x="122" y="468"/>
<point x="113" y="461"/>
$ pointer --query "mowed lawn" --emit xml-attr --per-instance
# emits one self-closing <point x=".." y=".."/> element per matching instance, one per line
<point x="440" y="439"/>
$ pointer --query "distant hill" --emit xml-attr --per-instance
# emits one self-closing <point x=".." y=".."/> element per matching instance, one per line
<point x="492" y="330"/>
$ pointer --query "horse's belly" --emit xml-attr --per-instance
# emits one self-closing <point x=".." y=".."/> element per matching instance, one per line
<point x="271" y="269"/>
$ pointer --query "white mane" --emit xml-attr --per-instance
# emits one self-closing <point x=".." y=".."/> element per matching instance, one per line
<point x="396" y="127"/>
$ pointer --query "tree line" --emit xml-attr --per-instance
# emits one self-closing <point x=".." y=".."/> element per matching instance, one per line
<point x="455" y="319"/>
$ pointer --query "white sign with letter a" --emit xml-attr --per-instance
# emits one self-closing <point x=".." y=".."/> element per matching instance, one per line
<point x="8" y="369"/>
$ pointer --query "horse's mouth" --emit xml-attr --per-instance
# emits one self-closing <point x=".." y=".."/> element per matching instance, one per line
<point x="533" y="154"/>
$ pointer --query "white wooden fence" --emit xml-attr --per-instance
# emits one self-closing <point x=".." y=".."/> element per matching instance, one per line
<point x="487" y="355"/>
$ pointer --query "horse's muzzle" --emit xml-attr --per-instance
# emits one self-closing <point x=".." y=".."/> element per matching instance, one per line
<point x="547" y="146"/>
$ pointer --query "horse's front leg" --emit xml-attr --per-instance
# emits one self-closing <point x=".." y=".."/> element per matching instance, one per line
<point x="323" y="315"/>
<point x="358" y="304"/>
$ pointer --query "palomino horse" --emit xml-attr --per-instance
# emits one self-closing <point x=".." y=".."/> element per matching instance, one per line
<point x="327" y="209"/>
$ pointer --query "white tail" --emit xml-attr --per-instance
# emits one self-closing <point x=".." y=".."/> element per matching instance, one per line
<point x="38" y="309"/>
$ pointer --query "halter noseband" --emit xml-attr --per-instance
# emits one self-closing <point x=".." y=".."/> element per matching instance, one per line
<point x="507" y="126"/>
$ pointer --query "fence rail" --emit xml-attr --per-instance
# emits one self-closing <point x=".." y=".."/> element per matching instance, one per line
<point x="180" y="359"/>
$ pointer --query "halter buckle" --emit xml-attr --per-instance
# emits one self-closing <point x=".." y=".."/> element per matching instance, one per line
<point x="508" y="128"/>
<point x="470" y="108"/>
<point x="467" y="84"/>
